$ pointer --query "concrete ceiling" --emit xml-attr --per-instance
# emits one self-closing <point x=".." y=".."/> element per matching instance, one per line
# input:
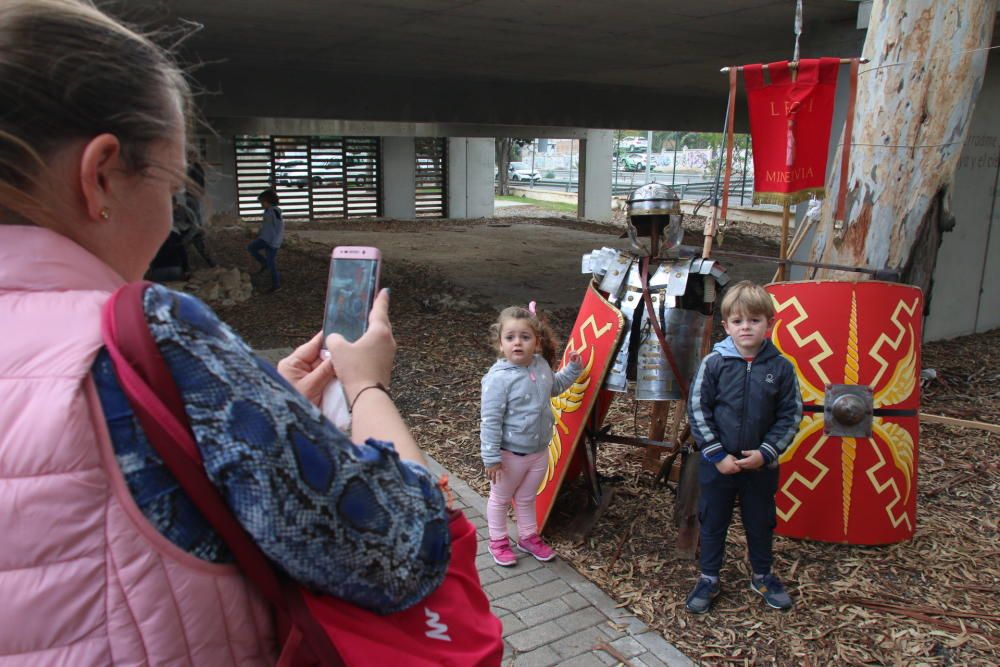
<point x="589" y="63"/>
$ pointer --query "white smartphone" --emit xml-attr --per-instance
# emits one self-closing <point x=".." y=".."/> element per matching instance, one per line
<point x="350" y="293"/>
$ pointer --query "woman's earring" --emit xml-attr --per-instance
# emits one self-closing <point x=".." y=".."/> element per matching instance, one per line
<point x="105" y="213"/>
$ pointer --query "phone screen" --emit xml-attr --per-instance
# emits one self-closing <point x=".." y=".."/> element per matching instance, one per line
<point x="350" y="293"/>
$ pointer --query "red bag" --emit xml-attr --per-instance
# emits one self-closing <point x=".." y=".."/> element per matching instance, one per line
<point x="451" y="626"/>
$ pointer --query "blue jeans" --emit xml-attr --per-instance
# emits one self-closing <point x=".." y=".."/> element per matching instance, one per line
<point x="267" y="260"/>
<point x="755" y="490"/>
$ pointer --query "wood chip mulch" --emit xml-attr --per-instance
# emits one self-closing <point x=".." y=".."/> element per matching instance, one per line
<point x="934" y="600"/>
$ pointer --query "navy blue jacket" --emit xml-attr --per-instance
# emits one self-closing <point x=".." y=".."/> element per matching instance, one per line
<point x="738" y="405"/>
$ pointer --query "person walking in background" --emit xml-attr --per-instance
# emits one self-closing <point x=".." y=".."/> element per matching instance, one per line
<point x="105" y="559"/>
<point x="190" y="222"/>
<point x="516" y="426"/>
<point x="272" y="233"/>
<point x="170" y="264"/>
<point x="745" y="408"/>
<point x="187" y="221"/>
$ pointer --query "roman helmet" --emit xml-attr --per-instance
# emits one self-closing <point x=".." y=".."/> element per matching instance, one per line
<point x="656" y="205"/>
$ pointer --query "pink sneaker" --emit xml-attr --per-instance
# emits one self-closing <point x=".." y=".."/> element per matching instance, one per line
<point x="502" y="553"/>
<point x="534" y="545"/>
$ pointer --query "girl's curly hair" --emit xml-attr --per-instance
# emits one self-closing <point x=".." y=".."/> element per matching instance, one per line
<point x="547" y="340"/>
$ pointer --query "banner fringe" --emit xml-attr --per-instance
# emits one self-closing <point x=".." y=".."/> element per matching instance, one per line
<point x="782" y="198"/>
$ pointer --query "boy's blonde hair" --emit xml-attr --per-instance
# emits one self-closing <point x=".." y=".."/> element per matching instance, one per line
<point x="748" y="299"/>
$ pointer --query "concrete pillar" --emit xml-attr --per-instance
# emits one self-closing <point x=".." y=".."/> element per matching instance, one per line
<point x="968" y="262"/>
<point x="594" y="191"/>
<point x="220" y="178"/>
<point x="470" y="177"/>
<point x="399" y="166"/>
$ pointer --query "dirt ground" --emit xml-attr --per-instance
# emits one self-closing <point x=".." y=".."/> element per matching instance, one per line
<point x="507" y="260"/>
<point x="447" y="278"/>
<point x="476" y="256"/>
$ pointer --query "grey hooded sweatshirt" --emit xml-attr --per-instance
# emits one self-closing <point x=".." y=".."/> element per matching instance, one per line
<point x="515" y="413"/>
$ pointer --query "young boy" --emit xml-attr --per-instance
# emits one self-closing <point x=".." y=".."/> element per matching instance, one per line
<point x="272" y="232"/>
<point x="744" y="410"/>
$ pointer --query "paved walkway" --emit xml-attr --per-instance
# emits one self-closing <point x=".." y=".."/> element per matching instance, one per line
<point x="554" y="616"/>
<point x="551" y="614"/>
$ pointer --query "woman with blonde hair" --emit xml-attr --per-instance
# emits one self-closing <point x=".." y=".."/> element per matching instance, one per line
<point x="104" y="559"/>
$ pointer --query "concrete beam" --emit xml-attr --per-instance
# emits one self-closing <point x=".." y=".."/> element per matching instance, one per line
<point x="509" y="103"/>
<point x="299" y="127"/>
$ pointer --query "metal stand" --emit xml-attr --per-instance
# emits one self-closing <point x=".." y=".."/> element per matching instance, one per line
<point x="665" y="388"/>
<point x="599" y="495"/>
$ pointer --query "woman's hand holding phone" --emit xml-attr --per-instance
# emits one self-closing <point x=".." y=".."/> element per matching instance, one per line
<point x="367" y="361"/>
<point x="307" y="370"/>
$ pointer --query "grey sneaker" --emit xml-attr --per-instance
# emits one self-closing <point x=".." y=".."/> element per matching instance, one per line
<point x="701" y="597"/>
<point x="773" y="592"/>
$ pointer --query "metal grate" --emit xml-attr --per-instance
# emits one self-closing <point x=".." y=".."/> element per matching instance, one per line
<point x="431" y="178"/>
<point x="291" y="175"/>
<point x="315" y="177"/>
<point x="253" y="172"/>
<point x="363" y="176"/>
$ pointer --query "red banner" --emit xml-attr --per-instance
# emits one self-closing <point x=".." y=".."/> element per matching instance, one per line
<point x="790" y="118"/>
<point x="842" y="489"/>
<point x="594" y="336"/>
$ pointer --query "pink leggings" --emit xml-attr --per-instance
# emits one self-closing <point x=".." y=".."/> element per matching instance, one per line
<point x="519" y="480"/>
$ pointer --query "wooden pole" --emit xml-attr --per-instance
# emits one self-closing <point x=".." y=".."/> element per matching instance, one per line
<point x="794" y="65"/>
<point x="962" y="423"/>
<point x="800" y="235"/>
<point x="657" y="428"/>
<point x="783" y="253"/>
<point x="658" y="411"/>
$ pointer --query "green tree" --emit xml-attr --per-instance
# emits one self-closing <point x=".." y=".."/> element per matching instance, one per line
<point x="505" y="149"/>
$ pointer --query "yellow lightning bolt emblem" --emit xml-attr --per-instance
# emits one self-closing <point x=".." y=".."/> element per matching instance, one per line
<point x="890" y="483"/>
<point x="810" y="424"/>
<point x="568" y="401"/>
<point x="894" y="344"/>
<point x="810" y="393"/>
<point x="900" y="386"/>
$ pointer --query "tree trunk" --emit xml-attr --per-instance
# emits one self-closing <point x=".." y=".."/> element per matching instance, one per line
<point x="502" y="147"/>
<point x="914" y="102"/>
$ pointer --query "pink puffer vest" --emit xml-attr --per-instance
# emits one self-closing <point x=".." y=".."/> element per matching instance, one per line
<point x="84" y="578"/>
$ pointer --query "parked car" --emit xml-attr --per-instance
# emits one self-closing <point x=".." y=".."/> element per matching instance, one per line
<point x="324" y="173"/>
<point x="292" y="173"/>
<point x="521" y="171"/>
<point x="632" y="162"/>
<point x="634" y="144"/>
<point x="330" y="173"/>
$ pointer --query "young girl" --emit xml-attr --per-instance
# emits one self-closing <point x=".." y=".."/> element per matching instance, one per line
<point x="272" y="232"/>
<point x="517" y="425"/>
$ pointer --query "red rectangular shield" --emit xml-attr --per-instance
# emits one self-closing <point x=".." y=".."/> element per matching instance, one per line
<point x="845" y="489"/>
<point x="595" y="335"/>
